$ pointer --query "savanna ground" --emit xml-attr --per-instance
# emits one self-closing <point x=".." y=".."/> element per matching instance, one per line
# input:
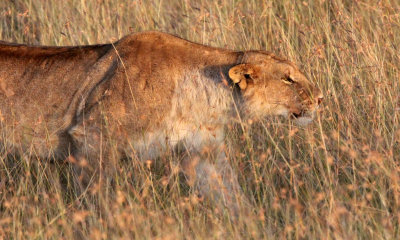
<point x="338" y="178"/>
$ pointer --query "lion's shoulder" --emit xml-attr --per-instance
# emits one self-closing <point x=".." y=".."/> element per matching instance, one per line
<point x="169" y="42"/>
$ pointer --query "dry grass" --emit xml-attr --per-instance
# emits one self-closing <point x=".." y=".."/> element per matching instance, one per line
<point x="337" y="179"/>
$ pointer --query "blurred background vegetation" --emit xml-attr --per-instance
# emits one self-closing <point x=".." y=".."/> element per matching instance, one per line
<point x="336" y="179"/>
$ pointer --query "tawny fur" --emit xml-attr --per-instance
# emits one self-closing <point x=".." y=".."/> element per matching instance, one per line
<point x="141" y="96"/>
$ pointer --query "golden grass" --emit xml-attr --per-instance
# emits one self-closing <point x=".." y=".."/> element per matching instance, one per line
<point x="337" y="179"/>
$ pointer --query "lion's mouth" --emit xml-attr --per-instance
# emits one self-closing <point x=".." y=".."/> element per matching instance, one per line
<point x="295" y="115"/>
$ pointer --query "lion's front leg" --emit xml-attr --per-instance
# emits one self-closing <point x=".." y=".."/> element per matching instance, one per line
<point x="215" y="179"/>
<point x="92" y="158"/>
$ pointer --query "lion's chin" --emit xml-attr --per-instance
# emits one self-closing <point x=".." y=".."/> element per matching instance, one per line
<point x="303" y="121"/>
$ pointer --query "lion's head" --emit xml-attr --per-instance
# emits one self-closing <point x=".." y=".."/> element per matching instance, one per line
<point x="273" y="86"/>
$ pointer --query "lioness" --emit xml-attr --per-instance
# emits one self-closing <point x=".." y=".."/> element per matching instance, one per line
<point x="140" y="96"/>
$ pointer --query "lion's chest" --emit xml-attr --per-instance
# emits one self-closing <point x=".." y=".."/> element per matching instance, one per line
<point x="183" y="135"/>
<point x="199" y="110"/>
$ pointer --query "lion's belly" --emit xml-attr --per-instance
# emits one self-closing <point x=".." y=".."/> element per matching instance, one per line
<point x="28" y="129"/>
<point x="40" y="140"/>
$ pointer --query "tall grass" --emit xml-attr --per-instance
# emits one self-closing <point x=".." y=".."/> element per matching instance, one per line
<point x="336" y="179"/>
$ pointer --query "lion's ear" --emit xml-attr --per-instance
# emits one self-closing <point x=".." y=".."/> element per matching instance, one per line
<point x="241" y="73"/>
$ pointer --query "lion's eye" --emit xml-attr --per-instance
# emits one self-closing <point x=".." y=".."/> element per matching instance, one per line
<point x="288" y="80"/>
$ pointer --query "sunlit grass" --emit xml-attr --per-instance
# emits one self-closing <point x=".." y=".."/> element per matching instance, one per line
<point x="336" y="179"/>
